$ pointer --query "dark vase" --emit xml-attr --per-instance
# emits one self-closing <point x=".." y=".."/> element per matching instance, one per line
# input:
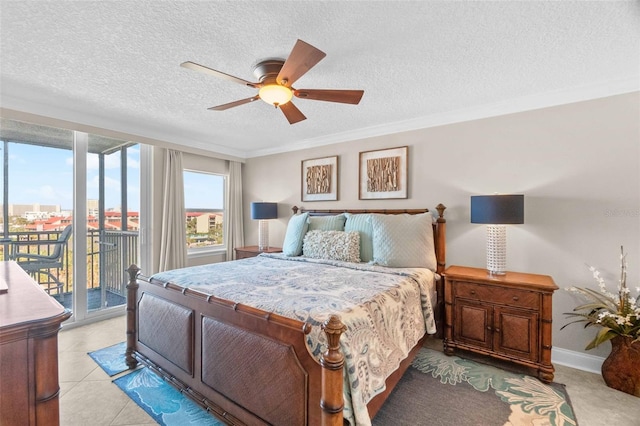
<point x="621" y="369"/>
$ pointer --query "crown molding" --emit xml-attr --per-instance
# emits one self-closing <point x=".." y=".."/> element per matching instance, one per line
<point x="511" y="106"/>
<point x="20" y="102"/>
<point x="27" y="102"/>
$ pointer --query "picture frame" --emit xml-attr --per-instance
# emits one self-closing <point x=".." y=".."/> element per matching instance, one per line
<point x="319" y="179"/>
<point x="383" y="174"/>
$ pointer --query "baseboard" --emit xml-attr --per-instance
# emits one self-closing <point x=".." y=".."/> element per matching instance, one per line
<point x="578" y="360"/>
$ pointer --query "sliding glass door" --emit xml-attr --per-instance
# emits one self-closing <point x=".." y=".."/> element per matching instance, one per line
<point x="112" y="205"/>
<point x="53" y="178"/>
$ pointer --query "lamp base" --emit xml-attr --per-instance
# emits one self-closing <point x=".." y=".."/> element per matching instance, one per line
<point x="497" y="249"/>
<point x="263" y="235"/>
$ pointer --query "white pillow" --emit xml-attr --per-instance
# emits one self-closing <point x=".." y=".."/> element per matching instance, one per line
<point x="404" y="241"/>
<point x="334" y="245"/>
<point x="296" y="228"/>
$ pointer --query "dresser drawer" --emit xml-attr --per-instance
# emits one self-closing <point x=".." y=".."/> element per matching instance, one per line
<point x="505" y="296"/>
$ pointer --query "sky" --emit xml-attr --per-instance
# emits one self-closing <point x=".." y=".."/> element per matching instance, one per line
<point x="45" y="176"/>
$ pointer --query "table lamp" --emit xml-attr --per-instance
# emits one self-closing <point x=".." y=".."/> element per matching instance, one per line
<point x="263" y="212"/>
<point x="496" y="211"/>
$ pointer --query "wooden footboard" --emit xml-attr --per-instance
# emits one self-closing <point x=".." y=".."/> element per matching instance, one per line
<point x="244" y="364"/>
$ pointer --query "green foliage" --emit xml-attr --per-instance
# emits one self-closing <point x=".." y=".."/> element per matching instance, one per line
<point x="616" y="314"/>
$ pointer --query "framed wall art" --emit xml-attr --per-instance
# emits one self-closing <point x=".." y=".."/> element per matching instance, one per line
<point x="320" y="179"/>
<point x="383" y="174"/>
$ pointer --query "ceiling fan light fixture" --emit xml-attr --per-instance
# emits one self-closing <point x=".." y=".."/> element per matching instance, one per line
<point x="275" y="94"/>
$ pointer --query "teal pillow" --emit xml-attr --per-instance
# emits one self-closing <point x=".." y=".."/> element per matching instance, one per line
<point x="361" y="224"/>
<point x="403" y="241"/>
<point x="327" y="223"/>
<point x="296" y="228"/>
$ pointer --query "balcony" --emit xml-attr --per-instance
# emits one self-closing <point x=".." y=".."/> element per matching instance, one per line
<point x="109" y="254"/>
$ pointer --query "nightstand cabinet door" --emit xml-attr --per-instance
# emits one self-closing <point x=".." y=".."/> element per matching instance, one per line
<point x="516" y="332"/>
<point x="473" y="324"/>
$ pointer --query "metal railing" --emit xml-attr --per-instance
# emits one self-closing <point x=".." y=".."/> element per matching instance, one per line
<point x="109" y="253"/>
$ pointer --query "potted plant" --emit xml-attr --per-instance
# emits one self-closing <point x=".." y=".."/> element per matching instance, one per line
<point x="618" y="316"/>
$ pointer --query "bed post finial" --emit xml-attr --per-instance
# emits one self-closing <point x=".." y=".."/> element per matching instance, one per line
<point x="332" y="361"/>
<point x="441" y="208"/>
<point x="132" y="296"/>
<point x="295" y="209"/>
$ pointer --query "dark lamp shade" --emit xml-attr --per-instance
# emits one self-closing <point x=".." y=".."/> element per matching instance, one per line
<point x="264" y="211"/>
<point x="497" y="209"/>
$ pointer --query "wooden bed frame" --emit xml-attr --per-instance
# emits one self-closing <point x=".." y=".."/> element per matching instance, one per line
<point x="246" y="365"/>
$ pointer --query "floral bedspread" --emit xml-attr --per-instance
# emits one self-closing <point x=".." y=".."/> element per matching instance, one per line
<point x="386" y="310"/>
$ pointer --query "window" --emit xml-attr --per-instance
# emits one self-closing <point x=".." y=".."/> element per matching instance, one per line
<point x="204" y="205"/>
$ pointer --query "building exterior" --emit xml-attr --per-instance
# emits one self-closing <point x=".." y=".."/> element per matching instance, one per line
<point x="32" y="209"/>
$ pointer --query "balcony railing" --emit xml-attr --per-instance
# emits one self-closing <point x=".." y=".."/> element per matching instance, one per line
<point x="109" y="253"/>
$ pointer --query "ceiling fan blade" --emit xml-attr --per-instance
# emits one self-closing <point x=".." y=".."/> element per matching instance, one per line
<point x="234" y="104"/>
<point x="292" y="113"/>
<point x="342" y="96"/>
<point x="220" y="74"/>
<point x="302" y="58"/>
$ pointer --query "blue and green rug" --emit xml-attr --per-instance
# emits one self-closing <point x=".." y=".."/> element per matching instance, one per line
<point x="436" y="390"/>
<point x="111" y="359"/>
<point x="449" y="390"/>
<point x="162" y="401"/>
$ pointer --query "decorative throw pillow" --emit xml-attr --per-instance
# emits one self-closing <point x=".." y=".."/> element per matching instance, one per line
<point x="333" y="245"/>
<point x="327" y="223"/>
<point x="404" y="241"/>
<point x="361" y="224"/>
<point x="296" y="228"/>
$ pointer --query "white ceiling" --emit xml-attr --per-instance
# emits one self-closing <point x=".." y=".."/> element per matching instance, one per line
<point x="116" y="64"/>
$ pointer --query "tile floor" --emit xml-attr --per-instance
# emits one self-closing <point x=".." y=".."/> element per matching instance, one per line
<point x="89" y="398"/>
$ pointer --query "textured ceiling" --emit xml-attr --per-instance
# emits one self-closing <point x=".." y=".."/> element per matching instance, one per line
<point x="116" y="64"/>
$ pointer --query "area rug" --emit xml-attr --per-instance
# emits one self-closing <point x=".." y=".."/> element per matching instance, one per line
<point x="449" y="390"/>
<point x="111" y="359"/>
<point x="162" y="401"/>
<point x="436" y="390"/>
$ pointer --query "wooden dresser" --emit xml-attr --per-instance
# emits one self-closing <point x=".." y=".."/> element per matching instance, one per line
<point x="29" y="324"/>
<point x="507" y="317"/>
<point x="252" y="251"/>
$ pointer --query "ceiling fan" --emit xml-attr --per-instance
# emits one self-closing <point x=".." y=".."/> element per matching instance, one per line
<point x="275" y="79"/>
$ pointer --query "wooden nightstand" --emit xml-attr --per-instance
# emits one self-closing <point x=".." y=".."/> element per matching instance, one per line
<point x="507" y="317"/>
<point x="253" y="251"/>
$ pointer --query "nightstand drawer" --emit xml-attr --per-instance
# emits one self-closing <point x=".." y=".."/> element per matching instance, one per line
<point x="241" y="254"/>
<point x="505" y="296"/>
<point x="253" y="251"/>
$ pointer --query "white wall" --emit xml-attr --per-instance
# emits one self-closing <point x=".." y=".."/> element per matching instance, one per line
<point x="578" y="166"/>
